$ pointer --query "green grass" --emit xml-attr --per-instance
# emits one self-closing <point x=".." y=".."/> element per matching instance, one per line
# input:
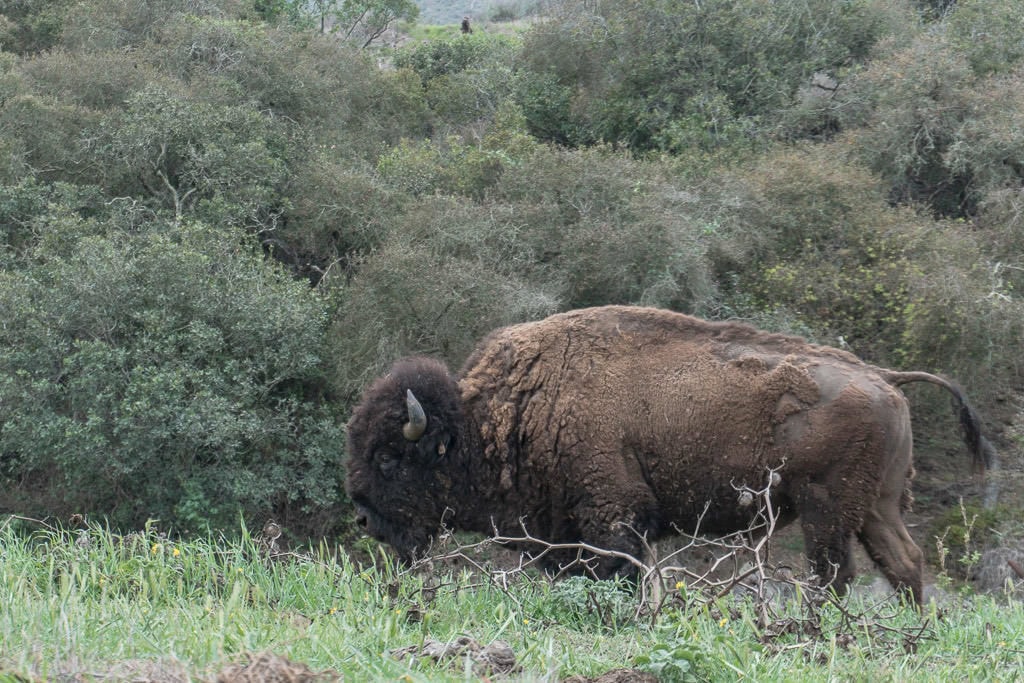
<point x="85" y="603"/>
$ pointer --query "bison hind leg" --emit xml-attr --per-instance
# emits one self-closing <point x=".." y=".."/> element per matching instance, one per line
<point x="889" y="544"/>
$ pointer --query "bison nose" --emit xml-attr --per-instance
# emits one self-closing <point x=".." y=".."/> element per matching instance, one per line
<point x="362" y="518"/>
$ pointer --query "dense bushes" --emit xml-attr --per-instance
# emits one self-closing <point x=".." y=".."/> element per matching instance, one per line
<point x="938" y="117"/>
<point x="164" y="373"/>
<point x="674" y="75"/>
<point x="812" y="234"/>
<point x="214" y="232"/>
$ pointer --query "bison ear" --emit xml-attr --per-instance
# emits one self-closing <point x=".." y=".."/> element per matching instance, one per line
<point x="435" y="447"/>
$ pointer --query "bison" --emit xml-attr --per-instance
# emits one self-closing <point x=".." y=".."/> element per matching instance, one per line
<point x="603" y="424"/>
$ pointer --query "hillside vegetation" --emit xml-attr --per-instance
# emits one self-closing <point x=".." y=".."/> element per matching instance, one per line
<point x="217" y="223"/>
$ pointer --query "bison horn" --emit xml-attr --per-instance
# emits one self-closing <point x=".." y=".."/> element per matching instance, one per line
<point x="417" y="424"/>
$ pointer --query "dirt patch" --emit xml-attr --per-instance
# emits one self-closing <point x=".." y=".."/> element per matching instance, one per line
<point x="457" y="654"/>
<point x="266" y="667"/>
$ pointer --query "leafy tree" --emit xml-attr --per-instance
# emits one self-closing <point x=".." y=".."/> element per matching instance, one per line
<point x="364" y="21"/>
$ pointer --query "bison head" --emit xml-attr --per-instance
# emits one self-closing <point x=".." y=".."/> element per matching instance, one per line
<point x="401" y="439"/>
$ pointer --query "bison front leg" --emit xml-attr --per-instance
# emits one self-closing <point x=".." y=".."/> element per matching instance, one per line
<point x="827" y="538"/>
<point x="620" y="533"/>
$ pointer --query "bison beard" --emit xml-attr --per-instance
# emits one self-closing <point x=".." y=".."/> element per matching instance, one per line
<point x="600" y="424"/>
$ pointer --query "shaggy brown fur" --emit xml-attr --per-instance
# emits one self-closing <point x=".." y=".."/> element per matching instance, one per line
<point x="598" y="424"/>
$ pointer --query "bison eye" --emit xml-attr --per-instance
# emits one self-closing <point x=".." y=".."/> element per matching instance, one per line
<point x="386" y="462"/>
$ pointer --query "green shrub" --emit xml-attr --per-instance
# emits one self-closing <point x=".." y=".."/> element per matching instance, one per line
<point x="909" y="104"/>
<point x="32" y="27"/>
<point x="990" y="33"/>
<point x="338" y="214"/>
<point x="671" y="74"/>
<point x="465" y="78"/>
<point x="448" y="273"/>
<point x="163" y="373"/>
<point x="930" y="126"/>
<point x="452" y="167"/>
<point x="459" y="165"/>
<point x="811" y="234"/>
<point x="961" y="533"/>
<point x="547" y="107"/>
<point x="964" y="317"/>
<point x="96" y="80"/>
<point x="611" y="229"/>
<point x="584" y="604"/>
<point x="988" y="148"/>
<point x="24" y="204"/>
<point x="805" y="233"/>
<point x="435" y="58"/>
<point x="43" y="137"/>
<point x="99" y="25"/>
<point x="226" y="164"/>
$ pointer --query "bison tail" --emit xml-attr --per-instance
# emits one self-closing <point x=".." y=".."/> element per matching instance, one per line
<point x="982" y="451"/>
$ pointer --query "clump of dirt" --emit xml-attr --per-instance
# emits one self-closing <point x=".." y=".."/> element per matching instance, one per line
<point x="266" y="667"/>
<point x="496" y="658"/>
